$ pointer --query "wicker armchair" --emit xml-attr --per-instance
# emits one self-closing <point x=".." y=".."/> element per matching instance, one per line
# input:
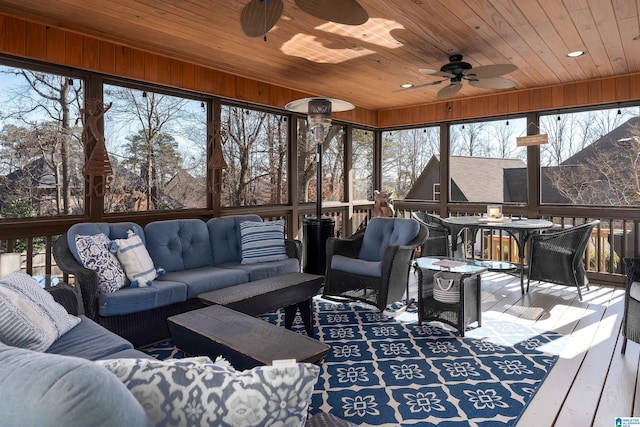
<point x="631" y="319"/>
<point x="439" y="242"/>
<point x="373" y="266"/>
<point x="557" y="256"/>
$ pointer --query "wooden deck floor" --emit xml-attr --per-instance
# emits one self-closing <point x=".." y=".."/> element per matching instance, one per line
<point x="592" y="383"/>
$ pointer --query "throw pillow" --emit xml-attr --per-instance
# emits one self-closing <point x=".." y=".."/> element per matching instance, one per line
<point x="95" y="255"/>
<point x="29" y="316"/>
<point x="262" y="241"/>
<point x="135" y="259"/>
<point x="196" y="392"/>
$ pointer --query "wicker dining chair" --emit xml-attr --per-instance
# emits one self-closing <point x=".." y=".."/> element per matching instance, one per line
<point x="631" y="319"/>
<point x="557" y="256"/>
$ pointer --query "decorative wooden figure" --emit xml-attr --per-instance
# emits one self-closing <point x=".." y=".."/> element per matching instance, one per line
<point x="216" y="162"/>
<point x="97" y="169"/>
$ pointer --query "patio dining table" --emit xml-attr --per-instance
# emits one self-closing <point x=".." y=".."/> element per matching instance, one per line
<point x="519" y="228"/>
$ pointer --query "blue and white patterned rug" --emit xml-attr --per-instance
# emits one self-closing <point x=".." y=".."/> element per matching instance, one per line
<point x="394" y="372"/>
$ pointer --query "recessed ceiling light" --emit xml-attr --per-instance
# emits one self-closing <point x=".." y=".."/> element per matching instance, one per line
<point x="576" y="53"/>
<point x="406" y="85"/>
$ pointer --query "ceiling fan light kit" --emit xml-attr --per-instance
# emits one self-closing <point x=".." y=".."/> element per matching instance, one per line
<point x="259" y="16"/>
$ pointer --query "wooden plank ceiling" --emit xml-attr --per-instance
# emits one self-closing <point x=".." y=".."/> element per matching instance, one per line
<point x="366" y="64"/>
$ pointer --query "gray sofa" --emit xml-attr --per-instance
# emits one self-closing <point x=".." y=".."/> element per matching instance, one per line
<point x="197" y="257"/>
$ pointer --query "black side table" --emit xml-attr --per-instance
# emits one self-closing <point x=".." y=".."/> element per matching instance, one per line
<point x="461" y="314"/>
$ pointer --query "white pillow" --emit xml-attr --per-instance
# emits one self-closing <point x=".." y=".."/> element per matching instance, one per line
<point x="262" y="241"/>
<point x="197" y="392"/>
<point x="29" y="316"/>
<point x="95" y="255"/>
<point x="135" y="259"/>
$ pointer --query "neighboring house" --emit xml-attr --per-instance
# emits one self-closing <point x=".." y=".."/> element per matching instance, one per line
<point x="474" y="179"/>
<point x="491" y="180"/>
<point x="190" y="191"/>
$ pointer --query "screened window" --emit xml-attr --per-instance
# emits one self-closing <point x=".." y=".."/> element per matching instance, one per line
<point x="410" y="162"/>
<point x="486" y="165"/>
<point x="332" y="164"/>
<point x="255" y="150"/>
<point x="592" y="158"/>
<point x="157" y="148"/>
<point x="41" y="151"/>
<point x="362" y="164"/>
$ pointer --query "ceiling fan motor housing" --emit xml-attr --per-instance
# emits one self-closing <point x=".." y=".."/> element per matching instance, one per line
<point x="456" y="65"/>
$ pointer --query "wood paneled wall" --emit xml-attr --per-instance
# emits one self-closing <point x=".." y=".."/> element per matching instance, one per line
<point x="592" y="92"/>
<point x="61" y="47"/>
<point x="58" y="46"/>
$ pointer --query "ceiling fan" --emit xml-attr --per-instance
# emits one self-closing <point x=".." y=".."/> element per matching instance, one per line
<point x="259" y="16"/>
<point x="486" y="77"/>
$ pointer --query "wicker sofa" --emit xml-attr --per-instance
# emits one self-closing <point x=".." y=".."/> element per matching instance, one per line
<point x="197" y="257"/>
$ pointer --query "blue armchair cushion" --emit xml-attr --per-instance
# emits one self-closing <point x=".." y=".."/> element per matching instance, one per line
<point x="49" y="390"/>
<point x="262" y="241"/>
<point x="180" y="244"/>
<point x="357" y="266"/>
<point x="382" y="232"/>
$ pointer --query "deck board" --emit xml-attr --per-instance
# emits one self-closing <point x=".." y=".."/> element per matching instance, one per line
<point x="592" y="382"/>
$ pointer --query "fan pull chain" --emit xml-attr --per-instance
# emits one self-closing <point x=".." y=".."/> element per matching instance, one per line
<point x="265" y="21"/>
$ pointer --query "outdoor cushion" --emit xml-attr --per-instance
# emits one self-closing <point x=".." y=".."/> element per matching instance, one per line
<point x="89" y="341"/>
<point x="215" y="395"/>
<point x="115" y="230"/>
<point x="262" y="241"/>
<point x="29" y="316"/>
<point x="49" y="390"/>
<point x="135" y="260"/>
<point x="263" y="270"/>
<point x="224" y="233"/>
<point x="634" y="292"/>
<point x="382" y="232"/>
<point x="133" y="300"/>
<point x="180" y="244"/>
<point x="95" y="255"/>
<point x="356" y="266"/>
<point x="204" y="279"/>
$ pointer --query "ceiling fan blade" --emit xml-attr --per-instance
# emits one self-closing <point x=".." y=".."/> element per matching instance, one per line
<point x="348" y="12"/>
<point x="488" y="71"/>
<point x="420" y="85"/>
<point x="259" y="16"/>
<point x="438" y="73"/>
<point x="449" y="90"/>
<point x="493" y="83"/>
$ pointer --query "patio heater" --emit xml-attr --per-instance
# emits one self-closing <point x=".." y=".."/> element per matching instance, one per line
<point x="318" y="229"/>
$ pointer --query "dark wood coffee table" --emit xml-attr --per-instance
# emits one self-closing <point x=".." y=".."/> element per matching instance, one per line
<point x="243" y="340"/>
<point x="292" y="291"/>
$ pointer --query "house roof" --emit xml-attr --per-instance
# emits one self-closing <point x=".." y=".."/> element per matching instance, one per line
<point x="482" y="179"/>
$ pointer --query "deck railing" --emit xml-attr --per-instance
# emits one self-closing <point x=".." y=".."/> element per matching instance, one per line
<point x="617" y="236"/>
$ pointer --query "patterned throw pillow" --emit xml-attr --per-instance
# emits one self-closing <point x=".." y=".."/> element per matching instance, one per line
<point x="262" y="241"/>
<point x="29" y="316"/>
<point x="135" y="259"/>
<point x="95" y="255"/>
<point x="197" y="392"/>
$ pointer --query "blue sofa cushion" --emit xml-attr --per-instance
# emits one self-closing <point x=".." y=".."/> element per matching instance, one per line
<point x="89" y="341"/>
<point x="116" y="230"/>
<point x="356" y="266"/>
<point x="205" y="279"/>
<point x="225" y="237"/>
<point x="49" y="390"/>
<point x="382" y="232"/>
<point x="178" y="244"/>
<point x="133" y="300"/>
<point x="263" y="270"/>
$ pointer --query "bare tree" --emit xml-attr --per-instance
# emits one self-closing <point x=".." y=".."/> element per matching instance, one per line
<point x="48" y="106"/>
